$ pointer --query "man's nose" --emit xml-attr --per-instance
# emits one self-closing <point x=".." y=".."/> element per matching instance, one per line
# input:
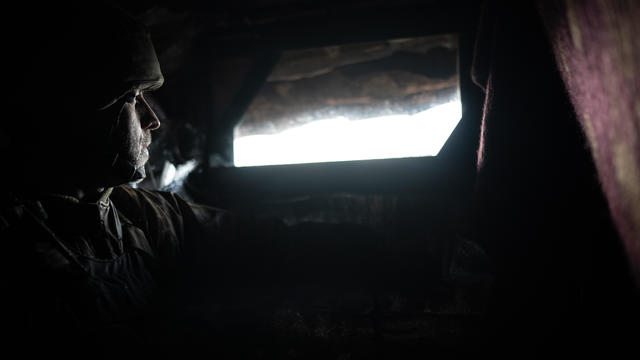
<point x="148" y="119"/>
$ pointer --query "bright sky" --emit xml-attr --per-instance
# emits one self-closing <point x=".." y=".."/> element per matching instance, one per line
<point x="340" y="139"/>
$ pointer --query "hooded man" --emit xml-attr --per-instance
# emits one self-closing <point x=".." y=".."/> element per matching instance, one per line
<point x="89" y="259"/>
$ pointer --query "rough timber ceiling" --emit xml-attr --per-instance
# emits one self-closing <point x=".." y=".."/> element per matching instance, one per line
<point x="233" y="18"/>
<point x="238" y="25"/>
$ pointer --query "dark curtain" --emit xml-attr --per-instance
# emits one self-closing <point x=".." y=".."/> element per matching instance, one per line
<point x="597" y="49"/>
<point x="562" y="279"/>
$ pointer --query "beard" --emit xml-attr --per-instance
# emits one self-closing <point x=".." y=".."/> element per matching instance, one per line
<point x="134" y="149"/>
<point x="132" y="156"/>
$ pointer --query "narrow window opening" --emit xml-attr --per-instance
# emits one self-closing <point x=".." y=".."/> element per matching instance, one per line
<point x="387" y="99"/>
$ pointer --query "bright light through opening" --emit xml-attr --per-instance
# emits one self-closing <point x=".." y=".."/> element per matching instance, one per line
<point x="341" y="139"/>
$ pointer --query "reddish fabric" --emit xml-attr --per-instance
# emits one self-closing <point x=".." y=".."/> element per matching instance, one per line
<point x="597" y="49"/>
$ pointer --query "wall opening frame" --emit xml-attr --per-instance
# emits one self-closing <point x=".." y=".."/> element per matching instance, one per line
<point x="453" y="169"/>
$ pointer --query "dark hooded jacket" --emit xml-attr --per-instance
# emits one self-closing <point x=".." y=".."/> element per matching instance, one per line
<point x="105" y="276"/>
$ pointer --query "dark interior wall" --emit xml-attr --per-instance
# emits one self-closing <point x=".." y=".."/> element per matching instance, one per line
<point x="376" y="260"/>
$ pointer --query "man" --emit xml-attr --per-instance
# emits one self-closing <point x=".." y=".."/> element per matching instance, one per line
<point x="91" y="264"/>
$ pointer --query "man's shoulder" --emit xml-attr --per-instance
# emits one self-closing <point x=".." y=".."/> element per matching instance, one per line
<point x="137" y="202"/>
<point x="128" y="194"/>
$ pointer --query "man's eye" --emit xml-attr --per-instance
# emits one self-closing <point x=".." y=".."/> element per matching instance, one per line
<point x="130" y="98"/>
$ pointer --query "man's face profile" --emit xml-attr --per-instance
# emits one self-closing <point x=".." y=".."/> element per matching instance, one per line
<point x="136" y="122"/>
